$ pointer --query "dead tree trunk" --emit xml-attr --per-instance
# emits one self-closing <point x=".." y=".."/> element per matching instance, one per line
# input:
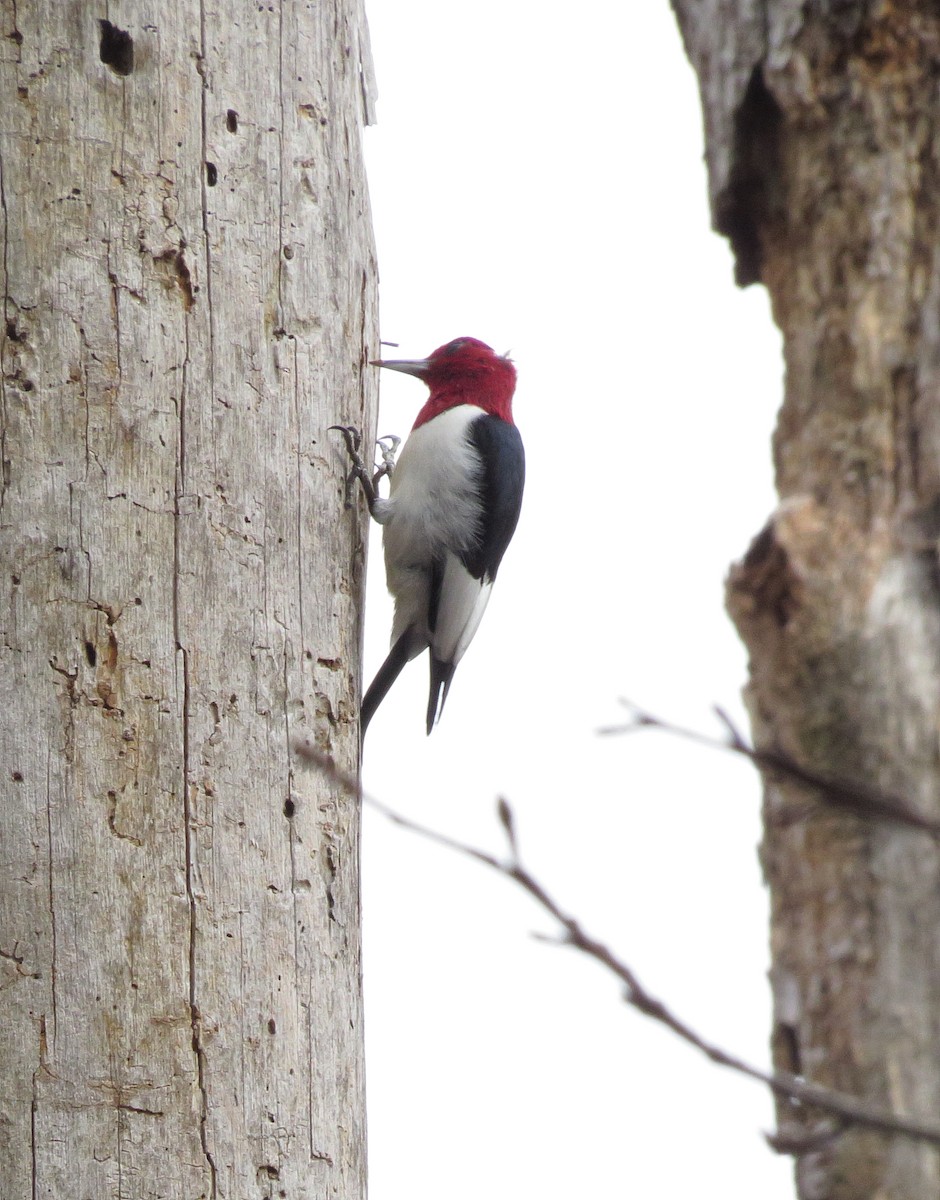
<point x="823" y="146"/>
<point x="188" y="276"/>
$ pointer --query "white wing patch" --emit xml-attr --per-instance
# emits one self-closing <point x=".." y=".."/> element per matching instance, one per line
<point x="462" y="604"/>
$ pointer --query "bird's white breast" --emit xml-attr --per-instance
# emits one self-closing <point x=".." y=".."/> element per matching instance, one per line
<point x="433" y="506"/>
<point x="434" y="498"/>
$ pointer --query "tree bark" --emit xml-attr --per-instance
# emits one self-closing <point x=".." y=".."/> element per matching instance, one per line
<point x="822" y="144"/>
<point x="188" y="283"/>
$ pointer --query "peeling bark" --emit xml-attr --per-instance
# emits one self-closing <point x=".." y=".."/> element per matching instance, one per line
<point x="823" y="130"/>
<point x="188" y="281"/>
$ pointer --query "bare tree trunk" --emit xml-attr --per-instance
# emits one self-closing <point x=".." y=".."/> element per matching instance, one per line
<point x="189" y="290"/>
<point x="822" y="145"/>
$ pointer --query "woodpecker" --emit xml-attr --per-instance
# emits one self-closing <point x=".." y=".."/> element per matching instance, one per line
<point x="453" y="503"/>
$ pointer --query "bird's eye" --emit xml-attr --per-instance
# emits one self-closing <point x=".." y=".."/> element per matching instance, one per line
<point x="455" y="345"/>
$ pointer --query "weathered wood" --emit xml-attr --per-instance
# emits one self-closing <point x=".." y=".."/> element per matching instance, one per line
<point x="824" y="148"/>
<point x="189" y="300"/>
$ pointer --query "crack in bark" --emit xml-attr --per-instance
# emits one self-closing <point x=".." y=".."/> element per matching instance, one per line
<point x="77" y="520"/>
<point x="298" y="503"/>
<point x="198" y="1048"/>
<point x="116" y="310"/>
<point x="281" y="165"/>
<point x="17" y="960"/>
<point x="33" y="1157"/>
<point x="195" y="1016"/>
<point x="50" y="878"/>
<point x="68" y="749"/>
<point x="204" y="195"/>
<point x="112" y="820"/>
<point x="4" y="462"/>
<point x="289" y="811"/>
<point x="16" y="36"/>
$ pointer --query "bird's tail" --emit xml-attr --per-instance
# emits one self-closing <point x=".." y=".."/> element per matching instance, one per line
<point x="441" y="675"/>
<point x="389" y="671"/>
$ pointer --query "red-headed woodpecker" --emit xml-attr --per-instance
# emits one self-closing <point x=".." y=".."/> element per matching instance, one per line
<point x="452" y="508"/>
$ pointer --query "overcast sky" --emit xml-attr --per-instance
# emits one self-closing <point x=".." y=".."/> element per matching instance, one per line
<point x="536" y="179"/>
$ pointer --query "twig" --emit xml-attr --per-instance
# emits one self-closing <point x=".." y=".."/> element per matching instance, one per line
<point x="854" y="797"/>
<point x="849" y="1109"/>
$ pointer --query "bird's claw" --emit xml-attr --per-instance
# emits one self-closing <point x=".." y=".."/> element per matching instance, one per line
<point x="357" y="471"/>
<point x="388" y="451"/>
<point x="351" y="436"/>
<point x="388" y="447"/>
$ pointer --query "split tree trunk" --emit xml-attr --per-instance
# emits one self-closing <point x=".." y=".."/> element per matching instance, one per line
<point x="189" y="297"/>
<point x="823" y="145"/>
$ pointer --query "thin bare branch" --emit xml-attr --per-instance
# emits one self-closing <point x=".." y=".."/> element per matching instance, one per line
<point x="849" y="796"/>
<point x="800" y="1142"/>
<point x="846" y="1108"/>
<point x="508" y="821"/>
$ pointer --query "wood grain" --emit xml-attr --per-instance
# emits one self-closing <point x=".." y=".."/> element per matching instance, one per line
<point x="189" y="287"/>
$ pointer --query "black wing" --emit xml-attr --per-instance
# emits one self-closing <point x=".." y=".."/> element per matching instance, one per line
<point x="503" y="460"/>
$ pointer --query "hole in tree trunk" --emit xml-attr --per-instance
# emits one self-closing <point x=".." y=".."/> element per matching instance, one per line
<point x="116" y="48"/>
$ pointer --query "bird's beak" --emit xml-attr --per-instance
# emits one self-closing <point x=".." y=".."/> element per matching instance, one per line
<point x="418" y="367"/>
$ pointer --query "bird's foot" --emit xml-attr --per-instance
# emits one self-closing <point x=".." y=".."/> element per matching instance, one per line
<point x="351" y="436"/>
<point x="358" y="470"/>
<point x="388" y="448"/>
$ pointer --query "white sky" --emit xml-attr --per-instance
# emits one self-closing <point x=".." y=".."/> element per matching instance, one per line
<point x="537" y="182"/>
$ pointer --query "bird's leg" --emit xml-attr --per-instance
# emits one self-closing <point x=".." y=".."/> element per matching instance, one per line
<point x="358" y="469"/>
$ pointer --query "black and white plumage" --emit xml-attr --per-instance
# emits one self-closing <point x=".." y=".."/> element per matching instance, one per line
<point x="454" y="500"/>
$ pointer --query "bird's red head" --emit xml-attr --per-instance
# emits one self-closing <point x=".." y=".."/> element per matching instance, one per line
<point x="464" y="371"/>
